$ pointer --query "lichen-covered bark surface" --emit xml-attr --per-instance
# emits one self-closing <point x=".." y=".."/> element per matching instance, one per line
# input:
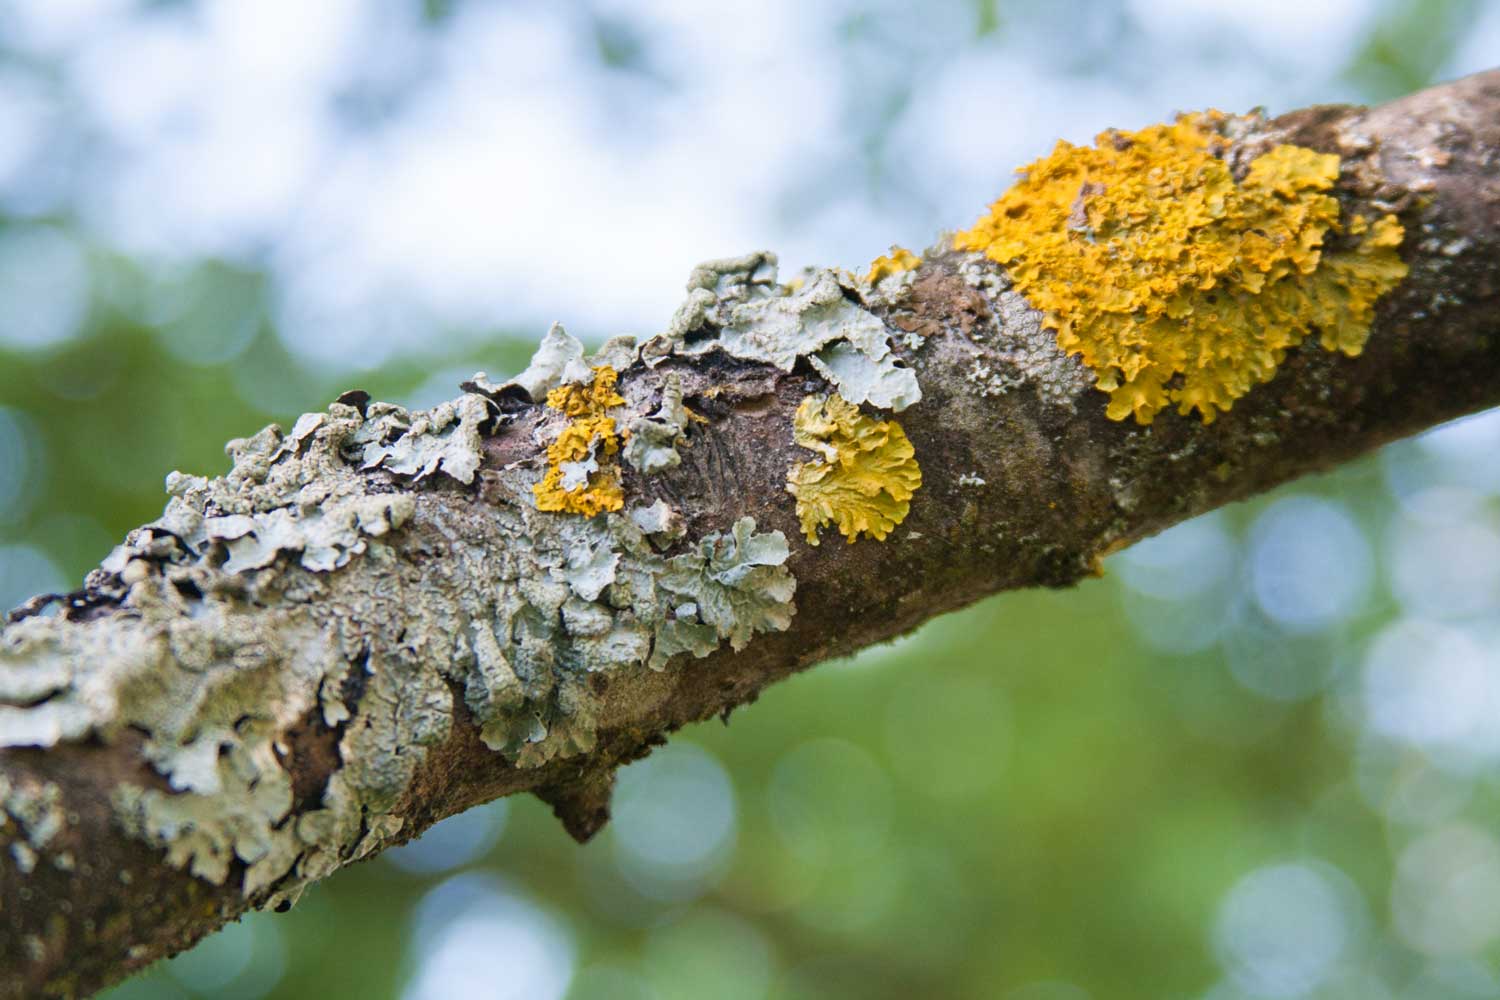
<point x="369" y="624"/>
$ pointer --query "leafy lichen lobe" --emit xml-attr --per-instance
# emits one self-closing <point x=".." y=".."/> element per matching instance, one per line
<point x="756" y="318"/>
<point x="865" y="476"/>
<point x="520" y="616"/>
<point x="1176" y="283"/>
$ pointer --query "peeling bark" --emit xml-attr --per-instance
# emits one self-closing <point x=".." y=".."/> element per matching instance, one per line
<point x="367" y="626"/>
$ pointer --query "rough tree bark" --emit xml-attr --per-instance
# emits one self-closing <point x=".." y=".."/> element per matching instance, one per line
<point x="368" y="625"/>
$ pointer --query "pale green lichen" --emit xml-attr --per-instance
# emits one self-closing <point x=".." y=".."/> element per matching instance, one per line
<point x="326" y="535"/>
<point x="214" y="689"/>
<point x="737" y="306"/>
<point x="858" y="379"/>
<point x="652" y="441"/>
<point x="35" y="813"/>
<point x="715" y="288"/>
<point x="658" y="521"/>
<point x="445" y="438"/>
<point x="592" y="595"/>
<point x="335" y="577"/>
<point x="308" y="530"/>
<point x="736" y="583"/>
<point x="558" y="359"/>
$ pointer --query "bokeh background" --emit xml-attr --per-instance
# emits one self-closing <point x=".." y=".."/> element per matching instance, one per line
<point x="1259" y="758"/>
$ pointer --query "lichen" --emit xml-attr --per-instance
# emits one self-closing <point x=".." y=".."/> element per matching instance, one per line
<point x="658" y="521"/>
<point x="652" y="441"/>
<point x="288" y="642"/>
<point x="580" y="479"/>
<point x="1012" y="350"/>
<point x="327" y="535"/>
<point x="594" y="595"/>
<point x="213" y="687"/>
<point x="859" y="379"/>
<point x="35" y="812"/>
<point x="714" y="289"/>
<point x="896" y="262"/>
<point x="865" y="476"/>
<point x="737" y="306"/>
<point x="735" y="584"/>
<point x="558" y="359"/>
<point x="1173" y="281"/>
<point x="445" y="438"/>
<point x="278" y="597"/>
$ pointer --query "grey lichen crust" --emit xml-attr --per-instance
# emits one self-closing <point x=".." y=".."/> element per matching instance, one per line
<point x="653" y="440"/>
<point x="344" y="585"/>
<point x="737" y="306"/>
<point x="579" y="596"/>
<point x="1020" y="352"/>
<point x="560" y="359"/>
<point x="31" y="815"/>
<point x="352" y="579"/>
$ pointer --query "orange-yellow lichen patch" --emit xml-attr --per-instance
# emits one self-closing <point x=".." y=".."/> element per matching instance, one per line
<point x="898" y="260"/>
<point x="1177" y="284"/>
<point x="865" y="479"/>
<point x="578" y="479"/>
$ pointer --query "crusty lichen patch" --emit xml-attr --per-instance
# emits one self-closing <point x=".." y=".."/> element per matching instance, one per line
<point x="580" y="477"/>
<point x="1175" y="282"/>
<point x="866" y="475"/>
<point x="652" y="441"/>
<point x="30" y="817"/>
<point x="284" y="598"/>
<point x="288" y="641"/>
<point x="738" y="307"/>
<point x="211" y="689"/>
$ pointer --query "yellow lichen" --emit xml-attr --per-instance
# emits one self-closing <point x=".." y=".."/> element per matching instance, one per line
<point x="898" y="260"/>
<point x="1175" y="283"/>
<point x="589" y="434"/>
<point x="867" y="474"/>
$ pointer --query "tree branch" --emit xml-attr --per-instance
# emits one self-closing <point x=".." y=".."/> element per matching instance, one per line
<point x="369" y="624"/>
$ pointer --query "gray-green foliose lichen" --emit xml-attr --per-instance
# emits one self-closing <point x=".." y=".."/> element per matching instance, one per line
<point x="653" y="440"/>
<point x="286" y="595"/>
<point x="559" y="360"/>
<point x="322" y="586"/>
<point x="36" y="812"/>
<point x="737" y="306"/>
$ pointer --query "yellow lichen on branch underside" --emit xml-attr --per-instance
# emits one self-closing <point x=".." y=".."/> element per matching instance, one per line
<point x="864" y="481"/>
<point x="579" y="479"/>
<point x="1175" y="283"/>
<point x="897" y="261"/>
